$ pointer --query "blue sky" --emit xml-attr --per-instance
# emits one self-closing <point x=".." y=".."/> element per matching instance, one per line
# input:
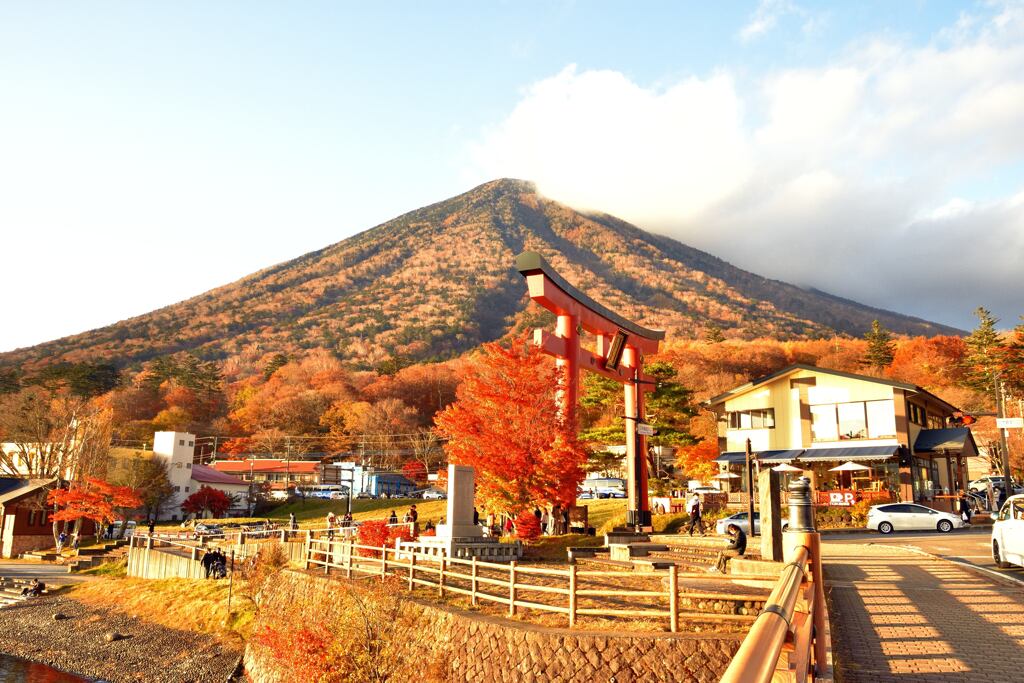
<point x="149" y="152"/>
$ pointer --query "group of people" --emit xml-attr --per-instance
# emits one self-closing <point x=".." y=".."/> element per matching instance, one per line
<point x="215" y="564"/>
<point x="62" y="540"/>
<point x="410" y="517"/>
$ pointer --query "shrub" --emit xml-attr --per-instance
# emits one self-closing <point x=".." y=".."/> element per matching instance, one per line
<point x="373" y="533"/>
<point x="527" y="526"/>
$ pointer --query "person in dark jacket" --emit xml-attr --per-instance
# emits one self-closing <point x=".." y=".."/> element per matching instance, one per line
<point x="393" y="519"/>
<point x="737" y="540"/>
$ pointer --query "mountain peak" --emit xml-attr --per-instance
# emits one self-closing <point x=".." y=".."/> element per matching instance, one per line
<point x="438" y="281"/>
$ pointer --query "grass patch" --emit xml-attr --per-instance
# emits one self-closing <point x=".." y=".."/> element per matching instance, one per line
<point x="184" y="604"/>
<point x="114" y="568"/>
<point x="555" y="549"/>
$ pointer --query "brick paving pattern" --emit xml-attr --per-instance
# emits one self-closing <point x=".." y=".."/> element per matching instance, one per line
<point x="900" y="617"/>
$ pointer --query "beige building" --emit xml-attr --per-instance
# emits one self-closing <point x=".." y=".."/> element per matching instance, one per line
<point x="816" y="419"/>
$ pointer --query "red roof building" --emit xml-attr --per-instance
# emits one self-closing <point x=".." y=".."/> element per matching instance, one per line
<point x="278" y="473"/>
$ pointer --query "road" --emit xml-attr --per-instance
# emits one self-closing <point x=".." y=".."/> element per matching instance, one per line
<point x="968" y="546"/>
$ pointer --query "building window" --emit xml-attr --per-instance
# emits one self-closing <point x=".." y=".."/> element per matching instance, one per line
<point x="188" y="466"/>
<point x="31" y="517"/>
<point x="177" y="488"/>
<point x="191" y="443"/>
<point x="916" y="414"/>
<point x="881" y="419"/>
<point x="935" y="422"/>
<point x="186" y="489"/>
<point x="181" y="442"/>
<point x="853" y="422"/>
<point x="763" y="418"/>
<point x="849" y="421"/>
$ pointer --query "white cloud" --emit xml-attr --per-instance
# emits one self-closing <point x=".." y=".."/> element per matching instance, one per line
<point x="766" y="17"/>
<point x="847" y="176"/>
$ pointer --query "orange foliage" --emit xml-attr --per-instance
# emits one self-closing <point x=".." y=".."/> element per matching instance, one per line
<point x="93" y="499"/>
<point x="504" y="424"/>
<point x="698" y="460"/>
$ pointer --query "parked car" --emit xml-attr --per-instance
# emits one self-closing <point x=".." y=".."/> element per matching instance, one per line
<point x="129" y="529"/>
<point x="279" y="494"/>
<point x="909" y="516"/>
<point x="365" y="495"/>
<point x="981" y="484"/>
<point x="1008" y="533"/>
<point x="740" y="520"/>
<point x="207" y="530"/>
<point x="586" y="494"/>
<point x="434" y="494"/>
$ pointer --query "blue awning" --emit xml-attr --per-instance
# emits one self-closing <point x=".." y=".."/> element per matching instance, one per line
<point x="732" y="457"/>
<point x="849" y="453"/>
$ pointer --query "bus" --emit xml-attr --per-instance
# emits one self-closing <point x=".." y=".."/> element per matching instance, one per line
<point x="332" y="491"/>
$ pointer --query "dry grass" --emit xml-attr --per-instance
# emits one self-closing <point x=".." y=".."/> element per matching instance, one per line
<point x="185" y="604"/>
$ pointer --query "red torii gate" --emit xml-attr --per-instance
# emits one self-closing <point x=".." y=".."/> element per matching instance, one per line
<point x="621" y="345"/>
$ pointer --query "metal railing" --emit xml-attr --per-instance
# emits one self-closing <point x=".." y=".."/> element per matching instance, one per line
<point x="789" y="641"/>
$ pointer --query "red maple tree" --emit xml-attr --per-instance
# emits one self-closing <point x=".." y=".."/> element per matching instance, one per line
<point x="207" y="498"/>
<point x="415" y="471"/>
<point x="94" y="499"/>
<point x="506" y="425"/>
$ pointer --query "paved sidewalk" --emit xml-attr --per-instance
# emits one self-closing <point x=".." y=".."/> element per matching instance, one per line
<point x="901" y="617"/>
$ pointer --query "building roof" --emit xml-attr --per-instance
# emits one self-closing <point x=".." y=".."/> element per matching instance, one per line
<point x="797" y="367"/>
<point x="266" y="466"/>
<point x="13" y="488"/>
<point x="208" y="475"/>
<point x="932" y="440"/>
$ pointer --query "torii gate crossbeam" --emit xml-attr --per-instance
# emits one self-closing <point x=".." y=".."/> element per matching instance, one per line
<point x="621" y="345"/>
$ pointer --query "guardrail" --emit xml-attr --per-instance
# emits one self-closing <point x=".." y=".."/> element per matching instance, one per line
<point x="508" y="583"/>
<point x="789" y="641"/>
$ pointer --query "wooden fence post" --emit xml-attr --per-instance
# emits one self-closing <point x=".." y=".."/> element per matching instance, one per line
<point x="348" y="560"/>
<point x="328" y="551"/>
<point x="473" y="572"/>
<point x="673" y="597"/>
<point x="440" y="576"/>
<point x="284" y="535"/>
<point x="572" y="594"/>
<point x="412" y="570"/>
<point x="512" y="588"/>
<point x="383" y="561"/>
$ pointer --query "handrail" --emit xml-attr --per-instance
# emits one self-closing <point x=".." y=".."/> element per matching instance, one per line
<point x="789" y="639"/>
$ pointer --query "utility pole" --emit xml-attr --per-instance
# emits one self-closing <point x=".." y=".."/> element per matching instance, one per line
<point x="1004" y="444"/>
<point x="750" y="490"/>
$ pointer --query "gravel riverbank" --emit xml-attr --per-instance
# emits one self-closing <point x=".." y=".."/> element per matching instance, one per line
<point x="78" y="643"/>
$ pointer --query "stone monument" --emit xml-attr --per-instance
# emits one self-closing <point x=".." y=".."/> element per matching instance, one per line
<point x="461" y="497"/>
<point x="459" y="536"/>
<point x="768" y="483"/>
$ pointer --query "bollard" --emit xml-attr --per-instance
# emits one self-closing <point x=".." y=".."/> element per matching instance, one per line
<point x="801" y="509"/>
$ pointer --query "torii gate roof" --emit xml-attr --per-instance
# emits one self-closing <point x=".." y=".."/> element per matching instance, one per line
<point x="599" y="321"/>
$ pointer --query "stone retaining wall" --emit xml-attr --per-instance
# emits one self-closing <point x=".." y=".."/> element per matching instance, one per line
<point x="484" y="649"/>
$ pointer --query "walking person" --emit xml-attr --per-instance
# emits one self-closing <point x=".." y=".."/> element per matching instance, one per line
<point x="695" y="515"/>
<point x="393" y="518"/>
<point x="330" y="525"/>
<point x="965" y="507"/>
<point x="152" y="526"/>
<point x="545" y="521"/>
<point x="207" y="563"/>
<point x="293" y="523"/>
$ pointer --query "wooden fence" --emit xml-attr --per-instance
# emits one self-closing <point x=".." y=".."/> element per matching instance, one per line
<point x="546" y="589"/>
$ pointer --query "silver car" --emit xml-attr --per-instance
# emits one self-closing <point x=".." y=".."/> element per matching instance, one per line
<point x="740" y="520"/>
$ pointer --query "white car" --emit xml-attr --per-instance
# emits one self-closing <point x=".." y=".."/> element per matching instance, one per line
<point x="909" y="516"/>
<point x="740" y="520"/>
<point x="434" y="494"/>
<point x="704" y="489"/>
<point x="1008" y="533"/>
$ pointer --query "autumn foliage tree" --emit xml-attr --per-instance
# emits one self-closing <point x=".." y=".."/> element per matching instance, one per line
<point x="207" y="498"/>
<point x="93" y="499"/>
<point x="505" y="424"/>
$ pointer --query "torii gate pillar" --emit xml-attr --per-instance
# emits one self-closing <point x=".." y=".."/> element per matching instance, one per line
<point x="621" y="345"/>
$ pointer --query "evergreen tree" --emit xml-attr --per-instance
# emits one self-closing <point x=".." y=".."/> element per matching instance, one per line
<point x="984" y="354"/>
<point x="1012" y="362"/>
<point x="713" y="334"/>
<point x="881" y="348"/>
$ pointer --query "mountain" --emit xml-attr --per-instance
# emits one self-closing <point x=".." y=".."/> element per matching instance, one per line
<point x="440" y="280"/>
